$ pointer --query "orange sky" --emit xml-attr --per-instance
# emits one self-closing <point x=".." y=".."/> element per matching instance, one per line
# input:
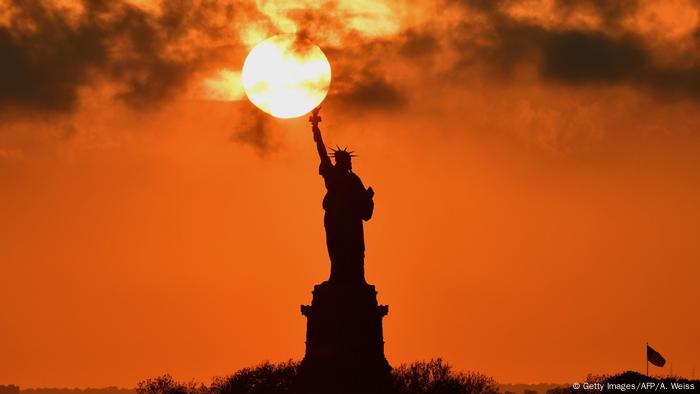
<point x="536" y="167"/>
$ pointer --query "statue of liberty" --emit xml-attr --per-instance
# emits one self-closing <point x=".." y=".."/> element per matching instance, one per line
<point x="344" y="334"/>
<point x="347" y="204"/>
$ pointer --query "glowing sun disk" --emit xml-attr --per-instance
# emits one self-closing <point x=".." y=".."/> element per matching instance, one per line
<point x="286" y="77"/>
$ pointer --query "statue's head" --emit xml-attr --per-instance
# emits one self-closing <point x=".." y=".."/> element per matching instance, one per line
<point x="343" y="158"/>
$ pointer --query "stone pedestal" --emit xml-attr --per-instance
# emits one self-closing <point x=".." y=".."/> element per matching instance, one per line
<point x="344" y="341"/>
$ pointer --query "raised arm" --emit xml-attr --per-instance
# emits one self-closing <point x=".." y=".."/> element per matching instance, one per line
<point x="320" y="146"/>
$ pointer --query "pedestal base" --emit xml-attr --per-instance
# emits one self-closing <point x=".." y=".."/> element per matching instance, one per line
<point x="344" y="341"/>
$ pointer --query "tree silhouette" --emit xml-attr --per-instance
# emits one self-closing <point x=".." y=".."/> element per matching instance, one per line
<point x="165" y="384"/>
<point x="438" y="377"/>
<point x="266" y="378"/>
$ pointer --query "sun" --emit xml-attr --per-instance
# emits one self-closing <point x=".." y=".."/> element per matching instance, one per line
<point x="286" y="77"/>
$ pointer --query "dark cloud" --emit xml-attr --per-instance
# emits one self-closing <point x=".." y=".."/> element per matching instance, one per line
<point x="253" y="129"/>
<point x="610" y="12"/>
<point x="565" y="55"/>
<point x="368" y="91"/>
<point x="42" y="69"/>
<point x="417" y="44"/>
<point x="501" y="44"/>
<point x="672" y="83"/>
<point x="319" y="23"/>
<point x="362" y="79"/>
<point x="48" y="55"/>
<point x="575" y="56"/>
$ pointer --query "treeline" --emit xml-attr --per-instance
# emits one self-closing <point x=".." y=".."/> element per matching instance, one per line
<point x="13" y="389"/>
<point x="431" y="377"/>
<point x="630" y="381"/>
<point x="9" y="389"/>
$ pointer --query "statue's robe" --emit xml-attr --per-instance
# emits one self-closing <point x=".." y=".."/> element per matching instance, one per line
<point x="347" y="203"/>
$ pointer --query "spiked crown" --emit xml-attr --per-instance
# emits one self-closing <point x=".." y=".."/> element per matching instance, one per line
<point x="342" y="154"/>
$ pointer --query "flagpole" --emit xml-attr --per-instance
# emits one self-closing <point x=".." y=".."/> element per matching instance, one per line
<point x="646" y="355"/>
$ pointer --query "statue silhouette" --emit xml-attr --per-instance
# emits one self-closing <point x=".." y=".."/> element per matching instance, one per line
<point x="344" y="334"/>
<point x="347" y="204"/>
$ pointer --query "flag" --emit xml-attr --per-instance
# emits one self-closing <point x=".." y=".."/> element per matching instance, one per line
<point x="655" y="357"/>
